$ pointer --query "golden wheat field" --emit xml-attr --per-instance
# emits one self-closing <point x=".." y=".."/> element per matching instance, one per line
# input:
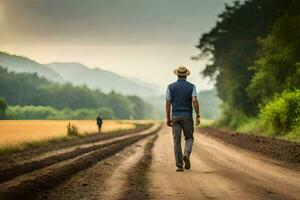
<point x="13" y="132"/>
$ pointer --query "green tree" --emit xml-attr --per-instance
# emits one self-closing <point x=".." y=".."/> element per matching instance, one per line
<point x="3" y="107"/>
<point x="140" y="109"/>
<point x="120" y="105"/>
<point x="26" y="89"/>
<point x="232" y="47"/>
<point x="278" y="68"/>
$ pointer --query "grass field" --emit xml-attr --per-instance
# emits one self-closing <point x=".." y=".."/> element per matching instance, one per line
<point x="14" y="132"/>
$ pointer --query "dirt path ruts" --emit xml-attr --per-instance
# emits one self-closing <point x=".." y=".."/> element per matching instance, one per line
<point x="91" y="184"/>
<point x="33" y="187"/>
<point x="9" y="160"/>
<point x="138" y="182"/>
<point x="146" y="170"/>
<point x="27" y="167"/>
<point x="130" y="179"/>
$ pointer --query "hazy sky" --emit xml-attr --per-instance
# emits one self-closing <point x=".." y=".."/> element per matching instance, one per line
<point x="145" y="39"/>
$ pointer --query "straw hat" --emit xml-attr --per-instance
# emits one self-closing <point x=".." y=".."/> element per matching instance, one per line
<point x="182" y="71"/>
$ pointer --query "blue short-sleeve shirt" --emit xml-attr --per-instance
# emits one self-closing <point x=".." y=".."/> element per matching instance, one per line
<point x="168" y="93"/>
<point x="180" y="95"/>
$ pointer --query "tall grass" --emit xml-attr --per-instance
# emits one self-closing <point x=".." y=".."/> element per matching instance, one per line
<point x="72" y="130"/>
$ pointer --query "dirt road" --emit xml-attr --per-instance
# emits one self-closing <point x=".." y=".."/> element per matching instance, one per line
<point x="220" y="171"/>
<point x="141" y="166"/>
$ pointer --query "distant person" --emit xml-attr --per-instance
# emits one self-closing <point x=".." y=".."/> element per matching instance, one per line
<point x="99" y="122"/>
<point x="181" y="97"/>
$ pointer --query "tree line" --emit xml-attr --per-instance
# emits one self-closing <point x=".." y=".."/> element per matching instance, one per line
<point x="254" y="52"/>
<point x="29" y="93"/>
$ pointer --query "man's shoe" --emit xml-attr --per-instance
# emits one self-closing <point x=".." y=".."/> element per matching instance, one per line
<point x="187" y="162"/>
<point x="179" y="169"/>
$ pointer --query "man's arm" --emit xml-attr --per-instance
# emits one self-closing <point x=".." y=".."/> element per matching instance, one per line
<point x="196" y="105"/>
<point x="196" y="108"/>
<point x="168" y="107"/>
<point x="168" y="112"/>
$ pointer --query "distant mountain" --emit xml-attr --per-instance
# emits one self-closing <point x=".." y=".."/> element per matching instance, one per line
<point x="107" y="81"/>
<point x="79" y="74"/>
<point x="158" y="89"/>
<point x="21" y="64"/>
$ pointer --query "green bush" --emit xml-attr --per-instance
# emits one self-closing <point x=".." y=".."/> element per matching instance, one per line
<point x="47" y="112"/>
<point x="84" y="113"/>
<point x="230" y="118"/>
<point x="107" y="113"/>
<point x="282" y="114"/>
<point x="30" y="112"/>
<point x="250" y="126"/>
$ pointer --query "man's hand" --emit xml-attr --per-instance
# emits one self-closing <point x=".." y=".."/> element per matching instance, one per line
<point x="197" y="121"/>
<point x="169" y="123"/>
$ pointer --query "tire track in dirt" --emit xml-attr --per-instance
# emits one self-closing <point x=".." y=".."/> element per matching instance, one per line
<point x="138" y="181"/>
<point x="92" y="184"/>
<point x="7" y="174"/>
<point x="11" y="159"/>
<point x="31" y="188"/>
<point x="130" y="179"/>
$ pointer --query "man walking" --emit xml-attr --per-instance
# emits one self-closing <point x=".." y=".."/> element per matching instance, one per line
<point x="99" y="122"/>
<point x="181" y="96"/>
